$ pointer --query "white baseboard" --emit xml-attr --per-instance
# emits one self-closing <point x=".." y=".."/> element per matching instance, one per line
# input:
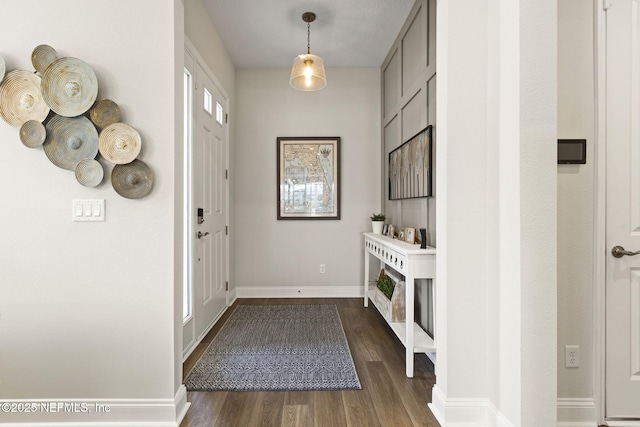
<point x="231" y="297"/>
<point x="299" y="292"/>
<point x="574" y="412"/>
<point x="181" y="404"/>
<point x="94" y="412"/>
<point x="623" y="423"/>
<point x="482" y="412"/>
<point x="465" y="412"/>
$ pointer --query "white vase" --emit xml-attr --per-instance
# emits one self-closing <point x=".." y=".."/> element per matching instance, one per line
<point x="377" y="226"/>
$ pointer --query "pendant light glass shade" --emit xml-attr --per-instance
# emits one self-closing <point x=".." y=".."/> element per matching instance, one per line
<point x="308" y="73"/>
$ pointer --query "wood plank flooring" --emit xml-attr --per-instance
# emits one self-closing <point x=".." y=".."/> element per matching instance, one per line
<point x="387" y="399"/>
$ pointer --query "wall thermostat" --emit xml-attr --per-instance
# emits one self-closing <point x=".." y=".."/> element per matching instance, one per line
<point x="572" y="151"/>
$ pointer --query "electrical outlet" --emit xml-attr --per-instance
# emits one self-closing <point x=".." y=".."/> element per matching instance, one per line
<point x="322" y="269"/>
<point x="571" y="356"/>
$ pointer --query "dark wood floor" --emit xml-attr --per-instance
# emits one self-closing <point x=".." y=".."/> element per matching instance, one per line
<point x="387" y="399"/>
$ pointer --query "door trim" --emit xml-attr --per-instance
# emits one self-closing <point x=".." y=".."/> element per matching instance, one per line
<point x="599" y="214"/>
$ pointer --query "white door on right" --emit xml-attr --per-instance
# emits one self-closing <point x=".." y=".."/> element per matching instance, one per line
<point x="622" y="376"/>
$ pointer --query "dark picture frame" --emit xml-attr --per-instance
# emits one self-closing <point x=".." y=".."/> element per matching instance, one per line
<point x="308" y="177"/>
<point x="410" y="167"/>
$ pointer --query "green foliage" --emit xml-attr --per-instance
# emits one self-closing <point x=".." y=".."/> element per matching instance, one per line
<point x="386" y="285"/>
<point x="378" y="217"/>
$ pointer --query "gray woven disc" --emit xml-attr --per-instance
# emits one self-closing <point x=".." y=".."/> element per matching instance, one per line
<point x="69" y="86"/>
<point x="89" y="172"/>
<point x="32" y="133"/>
<point x="132" y="180"/>
<point x="42" y="56"/>
<point x="70" y="140"/>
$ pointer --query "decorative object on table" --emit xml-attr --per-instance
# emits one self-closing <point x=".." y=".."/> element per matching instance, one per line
<point x="308" y="73"/>
<point x="119" y="143"/>
<point x="21" y="99"/>
<point x="377" y="222"/>
<point x="401" y="234"/>
<point x="410" y="167"/>
<point x="132" y="180"/>
<point x="391" y="231"/>
<point x="277" y="347"/>
<point x="70" y="140"/>
<point x="89" y="172"/>
<point x="385" y="284"/>
<point x="42" y="56"/>
<point x="32" y="133"/>
<point x="69" y="86"/>
<point x="389" y="297"/>
<point x="104" y="112"/>
<point x="308" y="177"/>
<point x="423" y="238"/>
<point x="410" y="235"/>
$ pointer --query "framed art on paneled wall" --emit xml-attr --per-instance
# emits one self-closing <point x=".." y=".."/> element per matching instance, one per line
<point x="309" y="178"/>
<point x="410" y="167"/>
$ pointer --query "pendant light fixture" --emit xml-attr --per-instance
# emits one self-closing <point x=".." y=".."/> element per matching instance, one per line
<point x="307" y="72"/>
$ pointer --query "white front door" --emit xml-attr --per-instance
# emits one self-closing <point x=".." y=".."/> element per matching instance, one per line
<point x="209" y="202"/>
<point x="622" y="372"/>
<point x="206" y="201"/>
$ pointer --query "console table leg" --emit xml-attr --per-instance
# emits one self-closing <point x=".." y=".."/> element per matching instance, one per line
<point x="366" y="277"/>
<point x="409" y="312"/>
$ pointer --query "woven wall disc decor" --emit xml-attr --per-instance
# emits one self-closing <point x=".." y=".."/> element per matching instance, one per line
<point x="119" y="143"/>
<point x="42" y="56"/>
<point x="21" y="99"/>
<point x="69" y="86"/>
<point x="89" y="172"/>
<point x="104" y="112"/>
<point x="70" y="140"/>
<point x="133" y="180"/>
<point x="32" y="133"/>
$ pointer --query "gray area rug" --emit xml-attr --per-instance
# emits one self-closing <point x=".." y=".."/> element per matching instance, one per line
<point x="277" y="347"/>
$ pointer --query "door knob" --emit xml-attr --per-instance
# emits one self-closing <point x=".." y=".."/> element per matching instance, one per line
<point x="619" y="252"/>
<point x="200" y="234"/>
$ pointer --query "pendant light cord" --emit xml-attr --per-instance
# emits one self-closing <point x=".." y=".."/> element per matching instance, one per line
<point x="308" y="38"/>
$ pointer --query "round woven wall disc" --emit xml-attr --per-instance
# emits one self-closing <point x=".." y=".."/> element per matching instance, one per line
<point x="32" y="133"/>
<point x="21" y="99"/>
<point x="69" y="86"/>
<point x="3" y="67"/>
<point x="42" y="56"/>
<point x="133" y="180"/>
<point x="104" y="112"/>
<point x="119" y="143"/>
<point x="89" y="172"/>
<point x="70" y="140"/>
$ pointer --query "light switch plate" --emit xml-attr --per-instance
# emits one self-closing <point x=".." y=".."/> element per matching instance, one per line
<point x="88" y="210"/>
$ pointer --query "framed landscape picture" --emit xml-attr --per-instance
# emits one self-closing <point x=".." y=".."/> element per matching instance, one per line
<point x="308" y="177"/>
<point x="410" y="167"/>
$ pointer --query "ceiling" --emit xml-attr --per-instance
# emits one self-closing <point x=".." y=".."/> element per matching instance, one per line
<point x="270" y="33"/>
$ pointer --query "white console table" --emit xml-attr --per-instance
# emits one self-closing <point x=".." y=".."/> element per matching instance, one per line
<point x="413" y="263"/>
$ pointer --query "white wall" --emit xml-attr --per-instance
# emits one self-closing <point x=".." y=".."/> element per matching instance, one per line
<point x="87" y="309"/>
<point x="286" y="254"/>
<point x="496" y="222"/>
<point x="575" y="196"/>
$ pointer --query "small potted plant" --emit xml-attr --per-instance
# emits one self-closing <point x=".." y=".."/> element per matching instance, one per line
<point x="377" y="222"/>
